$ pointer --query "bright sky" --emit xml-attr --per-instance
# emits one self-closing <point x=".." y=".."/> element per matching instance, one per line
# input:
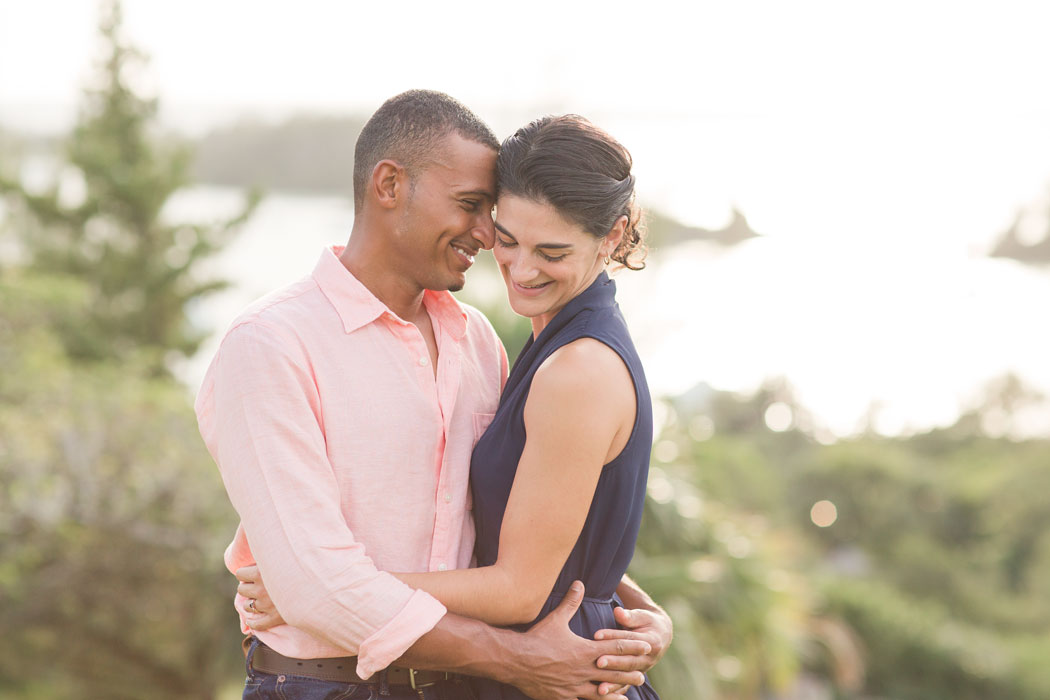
<point x="901" y="136"/>
<point x="801" y="113"/>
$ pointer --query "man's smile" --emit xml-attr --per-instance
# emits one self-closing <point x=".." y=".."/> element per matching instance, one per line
<point x="466" y="253"/>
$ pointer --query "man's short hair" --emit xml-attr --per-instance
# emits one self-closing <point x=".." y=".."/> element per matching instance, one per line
<point x="407" y="129"/>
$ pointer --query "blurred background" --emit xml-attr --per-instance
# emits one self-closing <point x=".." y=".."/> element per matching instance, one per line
<point x="849" y="210"/>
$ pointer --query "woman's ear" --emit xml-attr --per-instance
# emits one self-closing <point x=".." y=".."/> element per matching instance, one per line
<point x="615" y="237"/>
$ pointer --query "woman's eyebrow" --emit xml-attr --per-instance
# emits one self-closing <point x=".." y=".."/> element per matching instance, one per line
<point x="549" y="246"/>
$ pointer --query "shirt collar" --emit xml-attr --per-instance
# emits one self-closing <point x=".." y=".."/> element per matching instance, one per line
<point x="358" y="307"/>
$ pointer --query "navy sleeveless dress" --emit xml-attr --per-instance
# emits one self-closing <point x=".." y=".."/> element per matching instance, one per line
<point x="606" y="543"/>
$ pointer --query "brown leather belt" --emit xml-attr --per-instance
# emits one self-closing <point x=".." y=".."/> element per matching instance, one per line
<point x="340" y="669"/>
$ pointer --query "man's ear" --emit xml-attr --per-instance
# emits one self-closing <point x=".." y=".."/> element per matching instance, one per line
<point x="389" y="183"/>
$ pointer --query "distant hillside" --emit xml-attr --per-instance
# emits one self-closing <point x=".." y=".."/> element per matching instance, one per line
<point x="1011" y="246"/>
<point x="316" y="154"/>
<point x="665" y="231"/>
<point x="305" y="153"/>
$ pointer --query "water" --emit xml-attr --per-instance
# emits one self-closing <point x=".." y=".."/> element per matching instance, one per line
<point x="864" y="334"/>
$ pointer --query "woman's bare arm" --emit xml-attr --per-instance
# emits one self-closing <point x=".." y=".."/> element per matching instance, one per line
<point x="578" y="416"/>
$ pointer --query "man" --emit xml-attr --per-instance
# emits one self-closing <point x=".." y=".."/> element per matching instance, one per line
<point x="342" y="411"/>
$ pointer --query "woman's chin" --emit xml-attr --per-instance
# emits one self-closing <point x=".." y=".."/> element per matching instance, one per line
<point x="522" y="309"/>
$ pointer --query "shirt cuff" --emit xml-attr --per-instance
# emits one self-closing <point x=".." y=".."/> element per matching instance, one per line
<point x="393" y="639"/>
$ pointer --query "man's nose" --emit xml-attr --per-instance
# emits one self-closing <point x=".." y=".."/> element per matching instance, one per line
<point x="484" y="232"/>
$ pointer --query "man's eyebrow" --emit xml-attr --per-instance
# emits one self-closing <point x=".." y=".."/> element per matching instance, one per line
<point x="476" y="193"/>
<point x="549" y="246"/>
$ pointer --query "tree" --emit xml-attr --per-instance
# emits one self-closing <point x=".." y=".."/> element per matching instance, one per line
<point x="101" y="222"/>
<point x="113" y="521"/>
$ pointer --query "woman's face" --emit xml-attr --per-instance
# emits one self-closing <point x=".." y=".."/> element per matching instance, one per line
<point x="545" y="260"/>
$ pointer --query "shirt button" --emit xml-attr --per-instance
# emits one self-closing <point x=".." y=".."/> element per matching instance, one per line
<point x="448" y="497"/>
<point x="442" y="567"/>
<point x="422" y="362"/>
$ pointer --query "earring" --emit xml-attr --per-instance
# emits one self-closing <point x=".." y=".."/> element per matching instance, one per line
<point x="608" y="259"/>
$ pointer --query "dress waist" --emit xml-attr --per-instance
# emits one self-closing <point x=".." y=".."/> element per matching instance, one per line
<point x="554" y="598"/>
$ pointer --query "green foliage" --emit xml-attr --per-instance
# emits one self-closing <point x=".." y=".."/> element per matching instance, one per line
<point x="112" y="521"/>
<point x="112" y="517"/>
<point x="931" y="583"/>
<point x="101" y="222"/>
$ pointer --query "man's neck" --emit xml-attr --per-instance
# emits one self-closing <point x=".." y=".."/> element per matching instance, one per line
<point x="366" y="262"/>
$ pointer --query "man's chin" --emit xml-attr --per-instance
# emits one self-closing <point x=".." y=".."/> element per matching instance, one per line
<point x="453" y="283"/>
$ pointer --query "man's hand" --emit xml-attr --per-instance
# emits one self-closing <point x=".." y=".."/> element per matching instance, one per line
<point x="553" y="663"/>
<point x="261" y="613"/>
<point x="651" y="626"/>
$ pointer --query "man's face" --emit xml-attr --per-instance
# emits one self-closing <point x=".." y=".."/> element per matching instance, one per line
<point x="448" y="215"/>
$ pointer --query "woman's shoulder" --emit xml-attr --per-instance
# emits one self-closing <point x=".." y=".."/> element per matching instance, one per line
<point x="585" y="370"/>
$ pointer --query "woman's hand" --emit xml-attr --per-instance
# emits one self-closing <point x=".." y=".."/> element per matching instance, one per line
<point x="261" y="614"/>
<point x="652" y="626"/>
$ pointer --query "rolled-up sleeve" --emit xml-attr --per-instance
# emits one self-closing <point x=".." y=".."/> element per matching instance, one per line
<point x="260" y="416"/>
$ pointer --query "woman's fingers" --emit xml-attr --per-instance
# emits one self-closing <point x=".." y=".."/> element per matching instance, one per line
<point x="264" y="621"/>
<point x="248" y="573"/>
<point x="624" y="646"/>
<point x="595" y="692"/>
<point x="252" y="590"/>
<point x="611" y="690"/>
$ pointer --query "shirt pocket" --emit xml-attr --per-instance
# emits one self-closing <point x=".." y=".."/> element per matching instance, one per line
<point x="481" y="422"/>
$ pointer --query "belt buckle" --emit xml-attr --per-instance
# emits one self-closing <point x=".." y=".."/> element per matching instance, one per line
<point x="417" y="686"/>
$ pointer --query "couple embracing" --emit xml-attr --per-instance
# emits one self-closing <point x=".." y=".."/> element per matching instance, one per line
<point x="418" y="521"/>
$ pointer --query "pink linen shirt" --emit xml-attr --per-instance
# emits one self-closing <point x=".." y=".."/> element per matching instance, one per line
<point x="345" y="458"/>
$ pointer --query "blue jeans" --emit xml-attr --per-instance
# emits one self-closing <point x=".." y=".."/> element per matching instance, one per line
<point x="266" y="686"/>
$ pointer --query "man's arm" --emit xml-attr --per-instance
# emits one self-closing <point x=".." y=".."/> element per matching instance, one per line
<point x="549" y="662"/>
<point x="259" y="414"/>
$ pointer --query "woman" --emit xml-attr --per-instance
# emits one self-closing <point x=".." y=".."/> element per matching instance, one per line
<point x="558" y="478"/>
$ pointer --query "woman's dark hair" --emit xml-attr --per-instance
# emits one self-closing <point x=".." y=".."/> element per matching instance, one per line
<point x="580" y="170"/>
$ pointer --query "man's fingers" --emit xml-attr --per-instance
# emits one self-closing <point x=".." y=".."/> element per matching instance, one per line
<point x="621" y="634"/>
<point x="248" y="574"/>
<point x="617" y="678"/>
<point x="570" y="603"/>
<point x="623" y="647"/>
<point x="626" y="663"/>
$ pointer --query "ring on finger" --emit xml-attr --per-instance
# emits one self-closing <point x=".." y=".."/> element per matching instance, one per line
<point x="251" y="605"/>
